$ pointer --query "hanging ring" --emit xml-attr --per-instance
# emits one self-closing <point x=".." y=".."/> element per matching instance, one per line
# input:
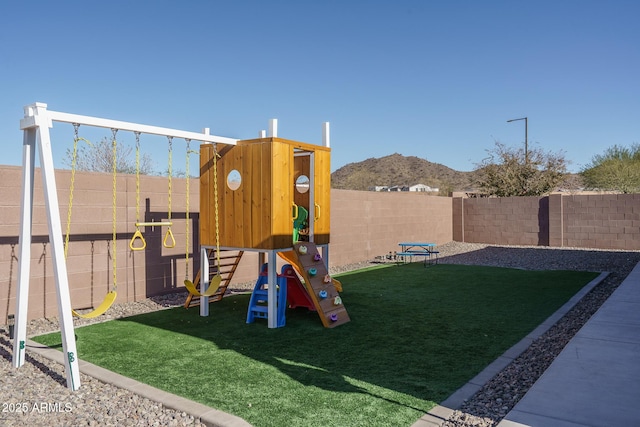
<point x="169" y="241"/>
<point x="137" y="236"/>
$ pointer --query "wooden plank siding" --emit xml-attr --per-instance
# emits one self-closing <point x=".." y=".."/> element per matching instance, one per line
<point x="206" y="163"/>
<point x="322" y="177"/>
<point x="263" y="208"/>
<point x="247" y="193"/>
<point x="281" y="195"/>
<point x="259" y="213"/>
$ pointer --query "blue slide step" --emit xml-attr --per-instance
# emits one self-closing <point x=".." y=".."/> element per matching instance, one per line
<point x="260" y="295"/>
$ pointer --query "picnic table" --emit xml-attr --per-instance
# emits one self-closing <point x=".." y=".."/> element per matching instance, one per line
<point x="408" y="250"/>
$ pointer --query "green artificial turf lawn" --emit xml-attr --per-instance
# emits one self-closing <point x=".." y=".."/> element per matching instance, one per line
<point x="416" y="335"/>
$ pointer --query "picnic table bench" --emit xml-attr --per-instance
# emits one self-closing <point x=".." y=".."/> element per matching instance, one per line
<point x="408" y="250"/>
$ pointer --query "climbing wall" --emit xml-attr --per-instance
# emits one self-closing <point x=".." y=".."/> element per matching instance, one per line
<point x="307" y="260"/>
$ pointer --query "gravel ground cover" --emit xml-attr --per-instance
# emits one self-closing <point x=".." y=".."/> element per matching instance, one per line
<point x="36" y="394"/>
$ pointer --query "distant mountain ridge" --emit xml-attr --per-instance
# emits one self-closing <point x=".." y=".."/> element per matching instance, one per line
<point x="397" y="169"/>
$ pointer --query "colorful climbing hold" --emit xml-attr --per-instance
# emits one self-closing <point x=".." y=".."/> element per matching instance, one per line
<point x="317" y="257"/>
<point x="312" y="272"/>
<point x="302" y="249"/>
<point x="337" y="300"/>
<point x="323" y="294"/>
<point x="333" y="317"/>
<point x="327" y="279"/>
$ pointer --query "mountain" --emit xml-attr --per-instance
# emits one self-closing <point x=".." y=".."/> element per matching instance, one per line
<point x="397" y="169"/>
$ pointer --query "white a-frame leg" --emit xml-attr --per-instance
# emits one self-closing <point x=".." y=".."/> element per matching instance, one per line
<point x="35" y="126"/>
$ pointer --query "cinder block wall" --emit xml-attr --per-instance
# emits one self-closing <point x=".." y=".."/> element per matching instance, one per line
<point x="603" y="221"/>
<point x="90" y="257"/>
<point x="507" y="221"/>
<point x="363" y="226"/>
<point x="607" y="221"/>
<point x="366" y="224"/>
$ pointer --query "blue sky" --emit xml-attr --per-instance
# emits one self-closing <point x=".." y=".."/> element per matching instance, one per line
<point x="433" y="79"/>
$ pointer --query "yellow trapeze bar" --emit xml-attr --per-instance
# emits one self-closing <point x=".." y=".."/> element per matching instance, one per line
<point x="154" y="224"/>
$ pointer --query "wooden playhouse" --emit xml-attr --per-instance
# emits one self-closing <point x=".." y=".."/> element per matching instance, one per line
<point x="257" y="194"/>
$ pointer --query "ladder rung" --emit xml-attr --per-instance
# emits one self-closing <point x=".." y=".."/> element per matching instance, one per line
<point x="226" y="274"/>
<point x="227" y="264"/>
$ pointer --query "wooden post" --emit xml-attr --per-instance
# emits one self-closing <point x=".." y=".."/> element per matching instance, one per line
<point x="326" y="138"/>
<point x="272" y="295"/>
<point x="273" y="128"/>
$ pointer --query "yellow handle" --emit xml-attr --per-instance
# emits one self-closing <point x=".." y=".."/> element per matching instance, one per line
<point x="295" y="210"/>
<point x="137" y="235"/>
<point x="316" y="215"/>
<point x="169" y="241"/>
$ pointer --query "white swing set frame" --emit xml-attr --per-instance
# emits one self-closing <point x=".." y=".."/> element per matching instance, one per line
<point x="35" y="126"/>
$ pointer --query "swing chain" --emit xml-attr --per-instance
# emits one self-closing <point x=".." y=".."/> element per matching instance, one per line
<point x="169" y="241"/>
<point x="137" y="134"/>
<point x="138" y="234"/>
<point x="170" y="171"/>
<point x="74" y="164"/>
<point x="114" y="233"/>
<point x="186" y="268"/>
<point x="13" y="257"/>
<point x="74" y="168"/>
<point x="215" y="196"/>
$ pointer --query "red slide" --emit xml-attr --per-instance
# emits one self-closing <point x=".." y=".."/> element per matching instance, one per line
<point x="297" y="295"/>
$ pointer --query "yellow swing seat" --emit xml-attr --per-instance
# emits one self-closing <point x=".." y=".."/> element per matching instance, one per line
<point x="108" y="301"/>
<point x="110" y="298"/>
<point x="214" y="284"/>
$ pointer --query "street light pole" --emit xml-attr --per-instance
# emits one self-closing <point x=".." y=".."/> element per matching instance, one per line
<point x="526" y="144"/>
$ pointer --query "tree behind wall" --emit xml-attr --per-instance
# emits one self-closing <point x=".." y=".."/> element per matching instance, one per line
<point x="507" y="173"/>
<point x="617" y="169"/>
<point x="98" y="157"/>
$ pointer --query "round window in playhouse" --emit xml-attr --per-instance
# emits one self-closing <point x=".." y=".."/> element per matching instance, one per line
<point x="234" y="179"/>
<point x="302" y="184"/>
